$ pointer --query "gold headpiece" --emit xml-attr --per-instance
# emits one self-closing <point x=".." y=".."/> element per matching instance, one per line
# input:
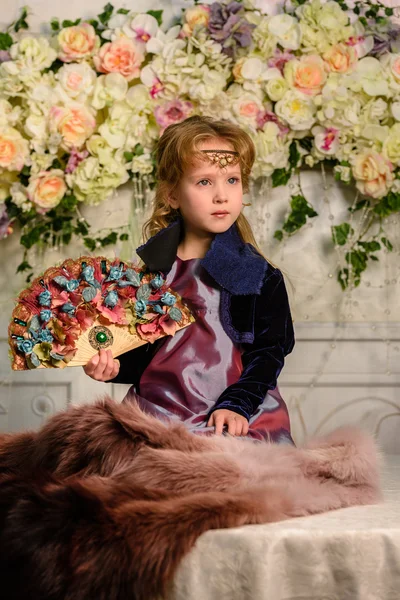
<point x="222" y="157"/>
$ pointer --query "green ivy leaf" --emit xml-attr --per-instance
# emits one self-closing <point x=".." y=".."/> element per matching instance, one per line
<point x="21" y="23"/>
<point x="55" y="24"/>
<point x="278" y="235"/>
<point x="68" y="202"/>
<point x="105" y="16"/>
<point x="128" y="156"/>
<point x="157" y="14"/>
<point x="81" y="228"/>
<point x="124" y="237"/>
<point x="68" y="23"/>
<point x="123" y="11"/>
<point x="89" y="243"/>
<point x="24" y="266"/>
<point x="341" y="232"/>
<point x="294" y="155"/>
<point x="280" y="177"/>
<point x="111" y="238"/>
<point x="306" y="143"/>
<point x="301" y="209"/>
<point x="359" y="205"/>
<point x="5" y="41"/>
<point x="138" y="150"/>
<point x="387" y="244"/>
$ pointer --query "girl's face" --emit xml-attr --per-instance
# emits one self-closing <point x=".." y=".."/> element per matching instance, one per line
<point x="209" y="197"/>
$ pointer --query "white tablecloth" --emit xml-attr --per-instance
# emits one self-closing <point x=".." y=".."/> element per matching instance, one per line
<point x="349" y="554"/>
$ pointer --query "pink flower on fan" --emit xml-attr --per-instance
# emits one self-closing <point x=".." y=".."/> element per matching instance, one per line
<point x="171" y="112"/>
<point x="157" y="328"/>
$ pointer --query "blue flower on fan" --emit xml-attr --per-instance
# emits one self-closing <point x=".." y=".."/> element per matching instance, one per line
<point x="88" y="276"/>
<point x="158" y="309"/>
<point x="168" y="299"/>
<point x="140" y="307"/>
<point x="115" y="273"/>
<point x="111" y="299"/>
<point x="45" y="315"/>
<point x="72" y="285"/>
<point x="157" y="282"/>
<point x="44" y="298"/>
<point x="25" y="346"/>
<point x="68" y="308"/>
<point x="45" y="335"/>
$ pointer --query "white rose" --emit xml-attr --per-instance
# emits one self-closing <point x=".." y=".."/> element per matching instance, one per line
<point x="276" y="87"/>
<point x="391" y="146"/>
<point x="287" y="31"/>
<point x="138" y="98"/>
<point x="297" y="110"/>
<point x="142" y="164"/>
<point x="33" y="54"/>
<point x="36" y="127"/>
<point x="343" y="172"/>
<point x="271" y="151"/>
<point x="92" y="182"/>
<point x="109" y="89"/>
<point x="77" y="80"/>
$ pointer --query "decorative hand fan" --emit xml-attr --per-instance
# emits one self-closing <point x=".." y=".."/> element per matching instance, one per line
<point x="72" y="311"/>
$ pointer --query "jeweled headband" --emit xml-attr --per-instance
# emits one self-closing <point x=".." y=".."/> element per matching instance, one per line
<point x="222" y="157"/>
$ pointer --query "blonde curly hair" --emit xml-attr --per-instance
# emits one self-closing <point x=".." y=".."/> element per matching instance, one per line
<point x="177" y="148"/>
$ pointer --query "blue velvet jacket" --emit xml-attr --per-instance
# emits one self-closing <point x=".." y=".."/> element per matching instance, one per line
<point x="254" y="312"/>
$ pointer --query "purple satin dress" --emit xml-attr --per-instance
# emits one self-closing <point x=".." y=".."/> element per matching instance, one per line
<point x="190" y="370"/>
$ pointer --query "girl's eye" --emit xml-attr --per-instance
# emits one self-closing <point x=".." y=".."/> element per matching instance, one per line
<point x="235" y="179"/>
<point x="202" y="181"/>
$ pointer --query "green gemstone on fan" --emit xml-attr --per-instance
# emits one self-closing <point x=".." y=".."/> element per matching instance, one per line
<point x="101" y="337"/>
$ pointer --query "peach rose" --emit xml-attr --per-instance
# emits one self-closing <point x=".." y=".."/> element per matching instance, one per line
<point x="373" y="173"/>
<point x="13" y="149"/>
<point x="77" y="42"/>
<point x="395" y="67"/>
<point x="341" y="58"/>
<point x="121" y="56"/>
<point x="198" y="16"/>
<point x="47" y="189"/>
<point x="306" y="74"/>
<point x="75" y="123"/>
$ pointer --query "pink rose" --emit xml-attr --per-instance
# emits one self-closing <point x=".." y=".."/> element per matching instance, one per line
<point x="121" y="56"/>
<point x="172" y="112"/>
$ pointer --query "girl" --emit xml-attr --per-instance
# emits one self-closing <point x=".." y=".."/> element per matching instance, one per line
<point x="221" y="371"/>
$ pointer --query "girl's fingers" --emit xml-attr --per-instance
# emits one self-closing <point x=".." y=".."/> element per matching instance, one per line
<point x="219" y="423"/>
<point x="232" y="425"/>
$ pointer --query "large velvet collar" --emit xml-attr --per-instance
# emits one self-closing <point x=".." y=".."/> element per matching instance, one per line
<point x="234" y="265"/>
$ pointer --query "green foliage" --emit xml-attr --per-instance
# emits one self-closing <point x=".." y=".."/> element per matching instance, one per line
<point x="21" y="23"/>
<point x="301" y="209"/>
<point x="105" y="16"/>
<point x="157" y="14"/>
<point x="5" y="41"/>
<point x="280" y="177"/>
<point x="340" y="233"/>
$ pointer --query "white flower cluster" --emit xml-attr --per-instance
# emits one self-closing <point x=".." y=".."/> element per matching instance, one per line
<point x="80" y="112"/>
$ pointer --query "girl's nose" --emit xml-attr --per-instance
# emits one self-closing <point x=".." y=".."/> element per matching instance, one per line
<point x="220" y="194"/>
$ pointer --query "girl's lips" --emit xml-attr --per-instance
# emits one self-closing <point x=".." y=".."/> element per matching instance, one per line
<point x="220" y="214"/>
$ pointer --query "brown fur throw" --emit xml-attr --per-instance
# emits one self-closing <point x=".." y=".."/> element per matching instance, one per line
<point x="104" y="501"/>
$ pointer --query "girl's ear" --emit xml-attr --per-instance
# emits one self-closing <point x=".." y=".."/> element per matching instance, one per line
<point x="173" y="201"/>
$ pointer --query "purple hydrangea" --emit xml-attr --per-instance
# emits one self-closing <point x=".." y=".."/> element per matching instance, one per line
<point x="5" y="223"/>
<point x="228" y="26"/>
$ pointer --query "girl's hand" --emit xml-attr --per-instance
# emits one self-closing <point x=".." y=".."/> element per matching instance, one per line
<point x="102" y="367"/>
<point x="237" y="425"/>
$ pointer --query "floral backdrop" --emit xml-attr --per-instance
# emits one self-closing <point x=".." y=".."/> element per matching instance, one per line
<point x="82" y="108"/>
